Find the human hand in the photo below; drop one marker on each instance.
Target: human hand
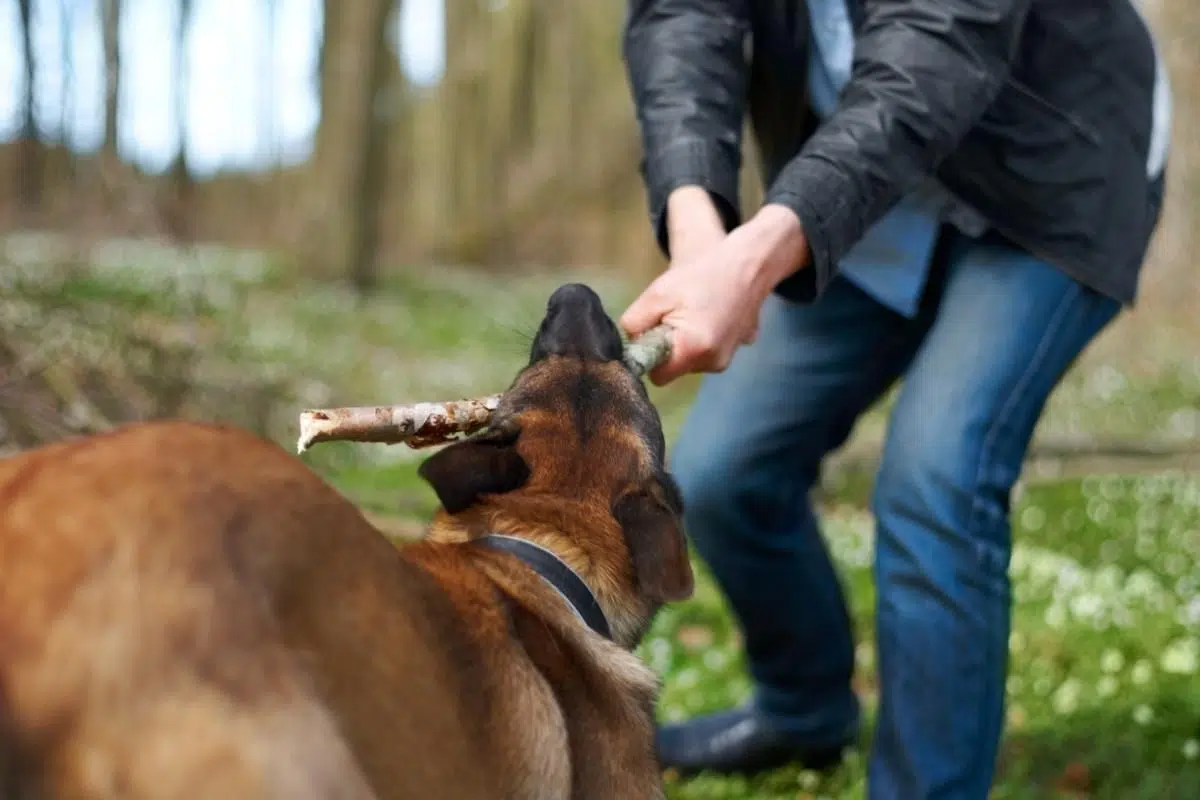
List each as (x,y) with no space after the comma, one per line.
(711,296)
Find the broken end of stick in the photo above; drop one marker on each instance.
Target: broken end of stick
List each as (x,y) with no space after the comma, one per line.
(310,428)
(649,350)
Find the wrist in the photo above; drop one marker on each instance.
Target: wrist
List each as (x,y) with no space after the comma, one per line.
(691,211)
(778,242)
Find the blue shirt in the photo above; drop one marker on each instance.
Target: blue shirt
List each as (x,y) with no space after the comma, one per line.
(891,261)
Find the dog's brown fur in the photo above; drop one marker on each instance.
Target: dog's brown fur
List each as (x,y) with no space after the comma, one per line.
(186,611)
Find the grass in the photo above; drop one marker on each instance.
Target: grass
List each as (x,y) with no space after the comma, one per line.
(1105,648)
(1102,695)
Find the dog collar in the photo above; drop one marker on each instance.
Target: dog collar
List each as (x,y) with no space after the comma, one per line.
(555,572)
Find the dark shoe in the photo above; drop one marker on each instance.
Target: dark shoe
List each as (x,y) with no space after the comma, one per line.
(738,741)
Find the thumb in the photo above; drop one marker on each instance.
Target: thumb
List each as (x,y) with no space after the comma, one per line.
(645,312)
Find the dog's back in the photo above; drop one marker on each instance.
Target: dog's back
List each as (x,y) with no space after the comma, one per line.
(11,764)
(181,607)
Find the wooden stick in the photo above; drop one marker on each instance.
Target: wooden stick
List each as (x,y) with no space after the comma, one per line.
(428,424)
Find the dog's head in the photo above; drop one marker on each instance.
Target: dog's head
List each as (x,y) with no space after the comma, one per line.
(574,457)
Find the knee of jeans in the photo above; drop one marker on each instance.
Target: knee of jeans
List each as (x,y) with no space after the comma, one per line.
(934,492)
(705,479)
(723,482)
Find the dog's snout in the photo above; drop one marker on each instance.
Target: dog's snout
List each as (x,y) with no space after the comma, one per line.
(576,297)
(576,324)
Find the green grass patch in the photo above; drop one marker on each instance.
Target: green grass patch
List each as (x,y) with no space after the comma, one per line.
(1105,649)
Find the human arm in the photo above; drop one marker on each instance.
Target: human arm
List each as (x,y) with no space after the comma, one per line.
(687,72)
(924,73)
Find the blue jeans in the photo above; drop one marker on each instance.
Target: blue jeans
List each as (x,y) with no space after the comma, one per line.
(996,331)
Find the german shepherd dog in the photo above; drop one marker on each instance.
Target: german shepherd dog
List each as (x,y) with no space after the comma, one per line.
(187,611)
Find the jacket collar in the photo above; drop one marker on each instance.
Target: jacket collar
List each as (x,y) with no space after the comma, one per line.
(555,572)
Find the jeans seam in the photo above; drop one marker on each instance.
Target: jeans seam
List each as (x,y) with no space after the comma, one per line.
(983,550)
(1001,418)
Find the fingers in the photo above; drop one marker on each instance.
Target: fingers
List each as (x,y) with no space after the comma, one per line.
(685,354)
(692,350)
(645,312)
(668,371)
(706,327)
(751,334)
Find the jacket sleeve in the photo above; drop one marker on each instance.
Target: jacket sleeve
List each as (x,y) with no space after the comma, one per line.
(686,66)
(924,72)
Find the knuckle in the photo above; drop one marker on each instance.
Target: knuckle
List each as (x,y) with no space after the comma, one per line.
(705,343)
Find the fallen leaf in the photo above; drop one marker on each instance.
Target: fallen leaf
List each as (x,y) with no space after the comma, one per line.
(1016,718)
(695,637)
(1074,779)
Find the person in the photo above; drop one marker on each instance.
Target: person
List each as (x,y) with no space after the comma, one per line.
(959,195)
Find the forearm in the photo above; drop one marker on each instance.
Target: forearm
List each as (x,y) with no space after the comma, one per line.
(692,214)
(923,75)
(687,74)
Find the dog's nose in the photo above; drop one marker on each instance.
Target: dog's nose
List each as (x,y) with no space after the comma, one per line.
(576,324)
(576,297)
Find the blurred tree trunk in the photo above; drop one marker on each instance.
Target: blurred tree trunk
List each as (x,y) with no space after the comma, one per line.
(269,140)
(180,172)
(30,158)
(66,85)
(529,45)
(348,174)
(384,96)
(180,185)
(473,68)
(111,27)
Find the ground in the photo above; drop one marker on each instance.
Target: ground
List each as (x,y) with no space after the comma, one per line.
(1105,649)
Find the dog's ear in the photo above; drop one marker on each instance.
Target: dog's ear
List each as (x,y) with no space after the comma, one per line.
(651,519)
(487,463)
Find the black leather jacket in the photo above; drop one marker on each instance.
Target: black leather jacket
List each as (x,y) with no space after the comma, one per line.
(1036,113)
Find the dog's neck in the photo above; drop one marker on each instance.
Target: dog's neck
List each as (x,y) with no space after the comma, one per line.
(627,617)
(557,573)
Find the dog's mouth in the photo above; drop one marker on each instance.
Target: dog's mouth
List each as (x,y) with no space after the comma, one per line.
(577,326)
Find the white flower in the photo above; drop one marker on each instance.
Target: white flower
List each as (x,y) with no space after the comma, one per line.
(1190,614)
(1142,672)
(1055,616)
(1191,749)
(1066,698)
(864,656)
(1107,686)
(1112,661)
(1143,714)
(1086,605)
(715,659)
(1181,657)
(1033,518)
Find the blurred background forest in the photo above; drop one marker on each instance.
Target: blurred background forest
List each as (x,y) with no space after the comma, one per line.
(353,144)
(340,143)
(415,131)
(237,209)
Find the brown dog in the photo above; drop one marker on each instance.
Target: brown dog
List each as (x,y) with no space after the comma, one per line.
(186,611)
